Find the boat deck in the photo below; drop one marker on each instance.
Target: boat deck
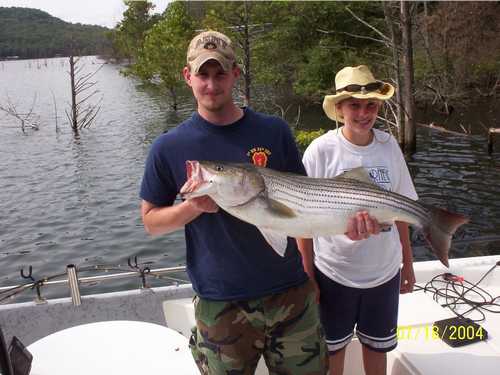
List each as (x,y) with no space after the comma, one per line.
(419,350)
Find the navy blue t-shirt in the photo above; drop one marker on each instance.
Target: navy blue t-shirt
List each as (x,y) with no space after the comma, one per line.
(227,259)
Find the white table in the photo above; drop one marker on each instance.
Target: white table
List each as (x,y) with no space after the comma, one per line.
(113,347)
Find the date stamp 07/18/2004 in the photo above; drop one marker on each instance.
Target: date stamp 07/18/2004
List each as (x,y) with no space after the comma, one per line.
(433,332)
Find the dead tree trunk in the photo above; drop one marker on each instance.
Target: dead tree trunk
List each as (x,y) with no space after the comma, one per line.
(426,26)
(396,62)
(410,139)
(74,112)
(82,113)
(246,48)
(173,94)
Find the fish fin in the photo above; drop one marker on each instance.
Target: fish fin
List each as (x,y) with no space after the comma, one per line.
(440,231)
(280,209)
(278,241)
(359,174)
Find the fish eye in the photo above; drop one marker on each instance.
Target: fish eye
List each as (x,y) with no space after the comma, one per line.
(219,168)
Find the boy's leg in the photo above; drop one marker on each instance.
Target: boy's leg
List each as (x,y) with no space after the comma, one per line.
(374,363)
(338,310)
(228,337)
(377,324)
(294,341)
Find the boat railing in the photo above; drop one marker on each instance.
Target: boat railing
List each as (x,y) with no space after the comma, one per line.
(72,279)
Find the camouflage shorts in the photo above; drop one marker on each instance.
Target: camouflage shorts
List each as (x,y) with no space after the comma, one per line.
(231,336)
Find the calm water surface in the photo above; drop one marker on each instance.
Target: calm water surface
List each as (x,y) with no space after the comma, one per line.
(75,200)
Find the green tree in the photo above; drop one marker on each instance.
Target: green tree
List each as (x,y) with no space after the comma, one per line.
(118,48)
(459,52)
(32,33)
(295,47)
(310,41)
(132,30)
(240,21)
(164,51)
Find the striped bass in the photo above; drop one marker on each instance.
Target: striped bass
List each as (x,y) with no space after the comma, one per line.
(285,204)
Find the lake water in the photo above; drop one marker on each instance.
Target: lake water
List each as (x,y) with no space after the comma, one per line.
(75,200)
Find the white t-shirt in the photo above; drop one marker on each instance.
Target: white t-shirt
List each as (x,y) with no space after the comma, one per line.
(371,262)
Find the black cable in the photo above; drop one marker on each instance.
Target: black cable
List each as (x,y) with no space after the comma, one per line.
(457,291)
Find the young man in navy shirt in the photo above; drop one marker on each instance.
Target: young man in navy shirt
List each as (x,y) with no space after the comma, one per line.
(250,301)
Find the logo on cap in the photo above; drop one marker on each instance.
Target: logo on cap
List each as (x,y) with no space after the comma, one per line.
(210,45)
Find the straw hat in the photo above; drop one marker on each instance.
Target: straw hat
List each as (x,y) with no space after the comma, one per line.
(355,82)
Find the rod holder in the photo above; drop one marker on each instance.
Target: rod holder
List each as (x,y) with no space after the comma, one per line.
(73,284)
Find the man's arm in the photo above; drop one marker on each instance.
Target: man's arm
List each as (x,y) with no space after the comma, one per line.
(161,220)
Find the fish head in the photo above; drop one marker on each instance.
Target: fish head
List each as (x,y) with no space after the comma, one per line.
(229,184)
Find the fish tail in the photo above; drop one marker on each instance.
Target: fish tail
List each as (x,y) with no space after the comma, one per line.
(440,230)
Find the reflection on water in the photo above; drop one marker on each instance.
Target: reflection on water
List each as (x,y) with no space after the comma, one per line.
(66,200)
(456,172)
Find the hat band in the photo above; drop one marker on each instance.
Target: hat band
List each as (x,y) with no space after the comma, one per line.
(373,86)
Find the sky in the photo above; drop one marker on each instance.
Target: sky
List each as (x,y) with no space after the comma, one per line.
(93,12)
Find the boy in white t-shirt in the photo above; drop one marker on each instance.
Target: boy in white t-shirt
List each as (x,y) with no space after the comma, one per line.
(359,277)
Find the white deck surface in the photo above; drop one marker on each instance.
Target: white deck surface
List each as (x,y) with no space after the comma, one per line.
(113,347)
(422,354)
(125,346)
(419,354)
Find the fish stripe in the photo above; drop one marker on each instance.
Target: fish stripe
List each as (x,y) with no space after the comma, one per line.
(300,183)
(340,194)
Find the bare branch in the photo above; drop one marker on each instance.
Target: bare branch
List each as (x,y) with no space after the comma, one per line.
(55,110)
(27,119)
(440,128)
(385,37)
(82,115)
(80,102)
(326,31)
(283,111)
(297,121)
(85,87)
(367,38)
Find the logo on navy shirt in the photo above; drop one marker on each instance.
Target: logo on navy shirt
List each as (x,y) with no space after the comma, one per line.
(259,156)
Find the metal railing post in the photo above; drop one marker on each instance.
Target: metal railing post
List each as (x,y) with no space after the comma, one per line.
(73,285)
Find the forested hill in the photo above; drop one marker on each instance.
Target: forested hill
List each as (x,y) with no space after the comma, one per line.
(32,33)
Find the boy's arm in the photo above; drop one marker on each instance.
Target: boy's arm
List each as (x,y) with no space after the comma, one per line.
(407,272)
(305,246)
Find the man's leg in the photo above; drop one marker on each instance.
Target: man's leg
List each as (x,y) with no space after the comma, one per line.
(228,338)
(337,362)
(294,340)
